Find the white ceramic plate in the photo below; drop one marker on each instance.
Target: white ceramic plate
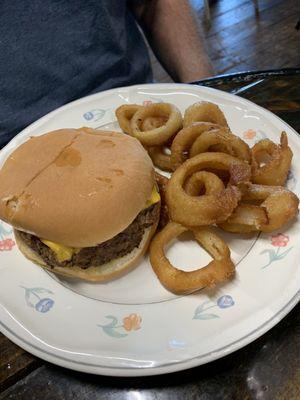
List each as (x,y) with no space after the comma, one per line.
(133,326)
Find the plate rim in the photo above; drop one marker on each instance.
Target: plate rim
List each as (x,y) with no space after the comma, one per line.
(154,370)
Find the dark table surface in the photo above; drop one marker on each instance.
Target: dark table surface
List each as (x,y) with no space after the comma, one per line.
(268,368)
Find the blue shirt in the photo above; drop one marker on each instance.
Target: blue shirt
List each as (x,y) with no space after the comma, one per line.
(56,51)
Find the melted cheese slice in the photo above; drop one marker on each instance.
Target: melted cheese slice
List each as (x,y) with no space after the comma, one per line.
(64,253)
(155,197)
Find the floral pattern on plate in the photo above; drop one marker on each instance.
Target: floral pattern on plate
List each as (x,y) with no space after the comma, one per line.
(249,134)
(131,323)
(6,242)
(95,114)
(280,240)
(34,299)
(225,301)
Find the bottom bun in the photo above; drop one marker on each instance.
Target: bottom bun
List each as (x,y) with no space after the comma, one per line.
(101,273)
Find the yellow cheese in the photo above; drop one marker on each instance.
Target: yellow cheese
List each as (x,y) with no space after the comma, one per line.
(64,253)
(155,197)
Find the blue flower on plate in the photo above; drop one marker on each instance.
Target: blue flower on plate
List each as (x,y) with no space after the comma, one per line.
(35,299)
(44,305)
(88,115)
(225,301)
(95,115)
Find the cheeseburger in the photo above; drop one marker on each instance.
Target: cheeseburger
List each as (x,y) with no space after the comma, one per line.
(83,203)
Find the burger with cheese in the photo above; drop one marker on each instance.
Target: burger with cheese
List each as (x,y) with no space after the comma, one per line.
(83,203)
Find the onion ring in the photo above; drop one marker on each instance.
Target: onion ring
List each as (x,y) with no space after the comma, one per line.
(124,115)
(160,135)
(278,207)
(204,111)
(206,209)
(153,123)
(184,140)
(182,282)
(223,141)
(270,162)
(159,158)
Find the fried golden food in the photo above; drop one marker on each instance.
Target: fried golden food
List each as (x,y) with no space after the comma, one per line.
(184,140)
(159,158)
(124,115)
(162,182)
(221,140)
(183,282)
(214,205)
(153,123)
(245,218)
(204,111)
(278,207)
(270,162)
(216,179)
(203,182)
(161,134)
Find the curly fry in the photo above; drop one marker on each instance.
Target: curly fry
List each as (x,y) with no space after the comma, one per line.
(270,162)
(184,140)
(124,115)
(204,111)
(278,207)
(208,208)
(162,134)
(159,158)
(223,141)
(182,282)
(153,123)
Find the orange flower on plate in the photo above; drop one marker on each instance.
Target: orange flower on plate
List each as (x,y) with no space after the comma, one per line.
(249,134)
(132,322)
(279,240)
(6,244)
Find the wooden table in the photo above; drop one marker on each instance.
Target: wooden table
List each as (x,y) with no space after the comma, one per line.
(268,368)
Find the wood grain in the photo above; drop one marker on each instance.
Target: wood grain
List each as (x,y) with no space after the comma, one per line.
(237,40)
(15,363)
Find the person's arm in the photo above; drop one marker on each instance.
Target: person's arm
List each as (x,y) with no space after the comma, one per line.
(174,37)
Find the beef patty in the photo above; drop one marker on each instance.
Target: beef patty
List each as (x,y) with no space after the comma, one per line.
(116,247)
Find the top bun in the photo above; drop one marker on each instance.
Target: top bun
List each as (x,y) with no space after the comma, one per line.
(77,187)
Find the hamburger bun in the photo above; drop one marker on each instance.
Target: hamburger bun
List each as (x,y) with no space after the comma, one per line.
(78,188)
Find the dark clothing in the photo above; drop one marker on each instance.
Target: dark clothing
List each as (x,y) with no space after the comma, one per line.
(53,52)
